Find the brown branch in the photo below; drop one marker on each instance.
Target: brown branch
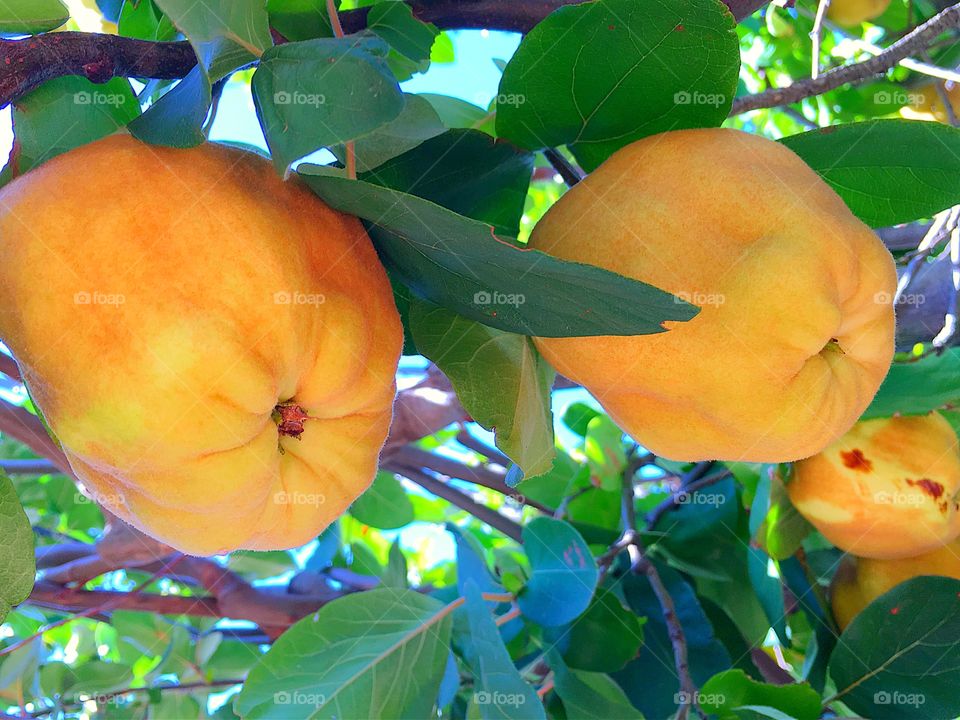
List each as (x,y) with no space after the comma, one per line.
(439,488)
(8,366)
(29,62)
(908,45)
(21,425)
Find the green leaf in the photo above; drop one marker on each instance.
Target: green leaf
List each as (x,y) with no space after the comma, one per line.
(394,22)
(459,263)
(95,111)
(384,505)
(499,691)
(563,573)
(317,93)
(603,446)
(243,22)
(17,565)
(605,638)
(176,119)
(457,113)
(418,121)
(600,75)
(467,172)
(28,17)
(769,592)
(499,377)
(379,653)
(900,658)
(589,695)
(916,388)
(723,694)
(775,524)
(880,183)
(578,417)
(97,676)
(300,19)
(144,21)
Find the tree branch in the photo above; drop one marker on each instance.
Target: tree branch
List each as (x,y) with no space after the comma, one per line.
(910,44)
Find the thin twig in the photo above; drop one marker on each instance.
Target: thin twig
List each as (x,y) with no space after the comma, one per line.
(815,37)
(570,173)
(906,46)
(947,335)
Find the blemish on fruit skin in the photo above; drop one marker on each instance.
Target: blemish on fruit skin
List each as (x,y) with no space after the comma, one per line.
(855,460)
(930,487)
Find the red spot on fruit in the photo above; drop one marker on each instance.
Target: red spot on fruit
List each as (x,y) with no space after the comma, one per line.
(930,487)
(894,610)
(855,460)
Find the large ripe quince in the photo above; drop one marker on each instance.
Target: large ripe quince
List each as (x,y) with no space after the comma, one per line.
(887,489)
(795,331)
(860,581)
(214,348)
(853,12)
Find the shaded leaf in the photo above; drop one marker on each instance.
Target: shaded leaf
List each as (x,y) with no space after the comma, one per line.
(17,565)
(26,17)
(563,573)
(384,504)
(589,695)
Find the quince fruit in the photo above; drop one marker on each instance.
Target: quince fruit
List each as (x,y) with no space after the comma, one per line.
(928,105)
(887,489)
(213,347)
(795,330)
(860,581)
(853,12)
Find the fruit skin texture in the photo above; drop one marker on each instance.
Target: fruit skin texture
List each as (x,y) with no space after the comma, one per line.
(887,489)
(854,12)
(860,581)
(742,227)
(149,295)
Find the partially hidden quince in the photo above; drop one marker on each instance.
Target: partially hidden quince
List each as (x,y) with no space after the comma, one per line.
(887,489)
(214,348)
(927,104)
(795,330)
(853,12)
(860,581)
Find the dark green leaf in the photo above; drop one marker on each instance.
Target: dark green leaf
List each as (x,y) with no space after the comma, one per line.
(900,657)
(394,22)
(467,172)
(177,118)
(317,93)
(883,185)
(603,74)
(499,377)
(564,573)
(459,263)
(300,19)
(605,638)
(589,695)
(243,22)
(379,653)
(916,388)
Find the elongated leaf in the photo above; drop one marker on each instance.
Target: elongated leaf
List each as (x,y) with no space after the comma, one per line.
(459,263)
(603,74)
(589,695)
(17,565)
(916,388)
(883,185)
(323,92)
(26,17)
(499,377)
(900,657)
(374,654)
(499,691)
(729,691)
(564,573)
